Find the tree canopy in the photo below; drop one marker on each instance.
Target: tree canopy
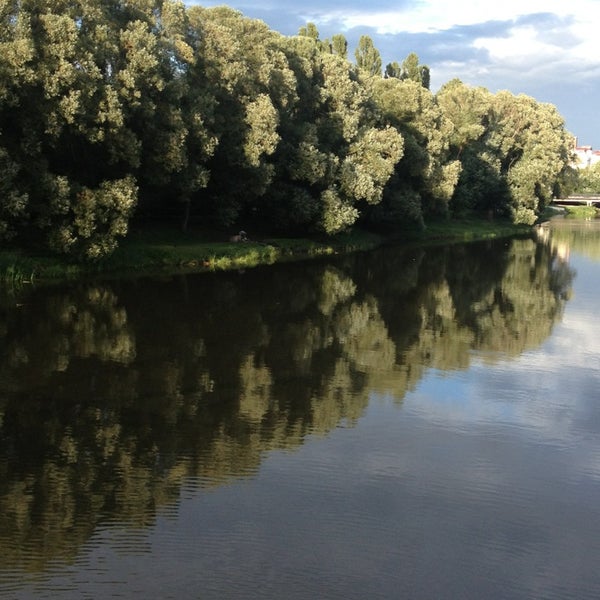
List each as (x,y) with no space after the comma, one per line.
(143,110)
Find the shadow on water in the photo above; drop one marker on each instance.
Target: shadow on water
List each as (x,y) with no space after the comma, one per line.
(115,394)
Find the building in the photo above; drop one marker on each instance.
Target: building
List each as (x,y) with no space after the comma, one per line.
(586,156)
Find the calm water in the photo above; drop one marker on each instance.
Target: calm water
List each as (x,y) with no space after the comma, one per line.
(407,423)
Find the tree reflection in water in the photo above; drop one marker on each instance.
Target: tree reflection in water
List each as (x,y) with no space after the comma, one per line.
(117,393)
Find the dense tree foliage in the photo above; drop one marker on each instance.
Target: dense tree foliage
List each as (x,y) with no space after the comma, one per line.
(148,109)
(588,180)
(367,56)
(514,151)
(409,69)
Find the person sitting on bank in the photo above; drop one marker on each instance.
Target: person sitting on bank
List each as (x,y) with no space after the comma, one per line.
(242,236)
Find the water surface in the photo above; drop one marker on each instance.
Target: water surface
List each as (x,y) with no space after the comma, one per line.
(405,423)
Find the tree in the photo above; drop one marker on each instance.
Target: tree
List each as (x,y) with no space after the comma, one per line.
(480,187)
(309,30)
(16,72)
(339,45)
(141,108)
(425,76)
(333,156)
(248,73)
(98,114)
(587,181)
(393,69)
(466,108)
(411,69)
(425,177)
(178,143)
(68,131)
(514,151)
(531,142)
(362,156)
(367,56)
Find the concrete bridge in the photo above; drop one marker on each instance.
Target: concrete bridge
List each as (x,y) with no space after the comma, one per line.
(579,199)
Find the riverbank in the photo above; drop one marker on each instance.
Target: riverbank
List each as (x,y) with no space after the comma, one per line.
(582,212)
(170,251)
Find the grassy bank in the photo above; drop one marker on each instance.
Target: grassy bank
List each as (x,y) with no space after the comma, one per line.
(466,230)
(582,212)
(171,251)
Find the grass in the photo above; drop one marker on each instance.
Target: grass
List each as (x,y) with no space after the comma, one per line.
(184,252)
(164,250)
(582,212)
(15,270)
(467,230)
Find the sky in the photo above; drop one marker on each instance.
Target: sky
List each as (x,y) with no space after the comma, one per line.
(547,49)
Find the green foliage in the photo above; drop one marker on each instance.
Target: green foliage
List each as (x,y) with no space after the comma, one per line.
(339,45)
(409,69)
(262,121)
(514,151)
(480,188)
(393,69)
(99,107)
(367,56)
(13,203)
(309,30)
(467,109)
(530,139)
(414,71)
(426,175)
(582,212)
(370,163)
(88,222)
(587,180)
(254,89)
(149,109)
(336,213)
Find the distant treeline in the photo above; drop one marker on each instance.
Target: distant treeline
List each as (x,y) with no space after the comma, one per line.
(113,110)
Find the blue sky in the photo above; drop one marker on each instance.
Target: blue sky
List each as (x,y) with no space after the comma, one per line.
(548,49)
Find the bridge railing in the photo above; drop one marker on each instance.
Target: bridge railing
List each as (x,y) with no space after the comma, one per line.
(587,199)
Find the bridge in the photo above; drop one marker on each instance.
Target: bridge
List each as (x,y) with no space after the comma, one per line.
(578,199)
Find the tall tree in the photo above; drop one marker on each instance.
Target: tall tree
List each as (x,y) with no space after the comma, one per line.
(339,45)
(309,30)
(481,187)
(533,146)
(467,109)
(248,73)
(181,139)
(69,128)
(16,74)
(393,69)
(367,56)
(424,179)
(413,70)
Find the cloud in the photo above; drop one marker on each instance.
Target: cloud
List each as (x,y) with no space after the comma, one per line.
(543,48)
(439,15)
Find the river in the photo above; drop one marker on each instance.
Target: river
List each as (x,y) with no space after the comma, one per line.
(412,422)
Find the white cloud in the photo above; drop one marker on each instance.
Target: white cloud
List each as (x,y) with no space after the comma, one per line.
(439,15)
(523,41)
(530,44)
